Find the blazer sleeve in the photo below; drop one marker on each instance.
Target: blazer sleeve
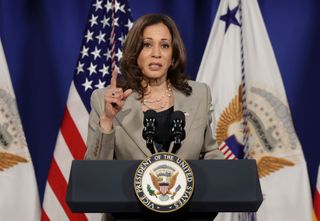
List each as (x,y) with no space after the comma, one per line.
(100,146)
(210,147)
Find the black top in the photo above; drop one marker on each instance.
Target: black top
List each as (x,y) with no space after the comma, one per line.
(163,127)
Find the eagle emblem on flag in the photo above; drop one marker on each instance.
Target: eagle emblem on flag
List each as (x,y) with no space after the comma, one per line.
(8,160)
(12,141)
(269,132)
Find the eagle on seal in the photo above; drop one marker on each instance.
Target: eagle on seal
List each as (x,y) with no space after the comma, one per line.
(164,183)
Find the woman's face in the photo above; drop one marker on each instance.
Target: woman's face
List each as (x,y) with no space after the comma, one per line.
(155,57)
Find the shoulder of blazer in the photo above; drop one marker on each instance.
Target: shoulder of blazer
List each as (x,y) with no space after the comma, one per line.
(199,90)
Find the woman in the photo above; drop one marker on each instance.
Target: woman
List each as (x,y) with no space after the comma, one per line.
(152,67)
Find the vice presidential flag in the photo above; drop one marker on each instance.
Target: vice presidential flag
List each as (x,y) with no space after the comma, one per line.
(107,27)
(19,198)
(251,105)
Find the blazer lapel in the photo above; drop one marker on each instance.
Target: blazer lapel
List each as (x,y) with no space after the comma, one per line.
(130,118)
(188,106)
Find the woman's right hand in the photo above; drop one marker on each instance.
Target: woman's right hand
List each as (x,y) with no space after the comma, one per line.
(114,99)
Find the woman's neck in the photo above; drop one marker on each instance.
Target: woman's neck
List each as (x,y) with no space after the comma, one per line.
(157,86)
(158,96)
(155,89)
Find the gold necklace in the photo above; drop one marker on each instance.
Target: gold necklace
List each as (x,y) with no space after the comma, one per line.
(161,102)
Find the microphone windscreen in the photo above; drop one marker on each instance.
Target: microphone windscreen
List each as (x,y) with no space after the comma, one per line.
(178,115)
(150,114)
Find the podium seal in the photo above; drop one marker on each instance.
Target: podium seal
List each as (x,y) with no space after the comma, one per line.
(164,183)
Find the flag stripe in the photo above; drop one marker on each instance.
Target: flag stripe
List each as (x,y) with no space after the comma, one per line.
(317,204)
(53,208)
(223,148)
(72,136)
(44,216)
(63,157)
(227,152)
(60,186)
(78,111)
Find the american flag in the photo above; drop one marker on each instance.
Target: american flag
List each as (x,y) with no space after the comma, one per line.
(232,149)
(108,24)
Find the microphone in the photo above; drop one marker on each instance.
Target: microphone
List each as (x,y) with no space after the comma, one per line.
(177,132)
(149,131)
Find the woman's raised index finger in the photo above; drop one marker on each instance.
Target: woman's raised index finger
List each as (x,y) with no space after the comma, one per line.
(113,81)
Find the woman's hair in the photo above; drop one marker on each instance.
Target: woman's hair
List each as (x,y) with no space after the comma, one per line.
(132,75)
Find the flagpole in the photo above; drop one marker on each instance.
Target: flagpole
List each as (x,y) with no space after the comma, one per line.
(243,89)
(244,216)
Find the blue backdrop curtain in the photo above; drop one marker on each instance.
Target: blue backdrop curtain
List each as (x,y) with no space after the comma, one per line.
(42,40)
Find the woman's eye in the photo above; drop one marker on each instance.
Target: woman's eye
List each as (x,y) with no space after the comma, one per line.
(146,45)
(165,46)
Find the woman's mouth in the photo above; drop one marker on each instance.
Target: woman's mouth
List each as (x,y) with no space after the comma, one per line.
(155,66)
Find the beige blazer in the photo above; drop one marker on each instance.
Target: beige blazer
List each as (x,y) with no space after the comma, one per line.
(125,142)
